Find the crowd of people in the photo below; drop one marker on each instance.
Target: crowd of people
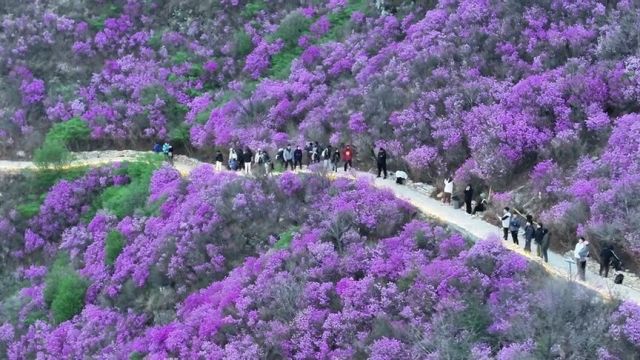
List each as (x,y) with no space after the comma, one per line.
(289,158)
(513,223)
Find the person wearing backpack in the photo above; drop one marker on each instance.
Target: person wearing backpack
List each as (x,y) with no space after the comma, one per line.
(529,233)
(167,150)
(581,252)
(382,162)
(506,222)
(219,160)
(514,227)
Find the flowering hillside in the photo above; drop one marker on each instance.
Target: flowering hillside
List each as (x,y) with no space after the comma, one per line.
(500,93)
(219,266)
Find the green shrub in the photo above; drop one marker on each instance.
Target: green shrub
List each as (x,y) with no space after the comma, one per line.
(52,154)
(179,134)
(180,57)
(124,200)
(243,44)
(281,63)
(285,238)
(252,8)
(155,42)
(29,209)
(69,132)
(291,28)
(113,246)
(64,290)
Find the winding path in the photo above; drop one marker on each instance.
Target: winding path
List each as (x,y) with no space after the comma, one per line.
(474,228)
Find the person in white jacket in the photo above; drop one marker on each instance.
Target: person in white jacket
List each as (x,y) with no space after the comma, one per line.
(506,221)
(581,252)
(448,190)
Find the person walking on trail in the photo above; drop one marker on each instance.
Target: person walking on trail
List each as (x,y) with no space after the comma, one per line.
(219,160)
(581,252)
(233,159)
(448,190)
(266,161)
(297,158)
(315,153)
(347,156)
(280,156)
(287,157)
(607,258)
(167,150)
(506,222)
(309,149)
(468,197)
(514,228)
(335,160)
(248,160)
(326,157)
(240,159)
(382,162)
(529,233)
(543,240)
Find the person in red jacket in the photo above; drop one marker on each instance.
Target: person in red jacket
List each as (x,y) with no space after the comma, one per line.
(347,155)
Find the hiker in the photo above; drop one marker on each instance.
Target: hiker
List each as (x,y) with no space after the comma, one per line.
(265,160)
(309,150)
(248,159)
(219,160)
(468,197)
(382,162)
(529,232)
(157,147)
(315,153)
(514,227)
(608,258)
(287,157)
(326,157)
(280,156)
(506,222)
(581,252)
(233,159)
(448,189)
(401,177)
(240,158)
(297,158)
(479,207)
(347,156)
(335,160)
(167,150)
(543,240)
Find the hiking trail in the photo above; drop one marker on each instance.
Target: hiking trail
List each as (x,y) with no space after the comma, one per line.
(473,227)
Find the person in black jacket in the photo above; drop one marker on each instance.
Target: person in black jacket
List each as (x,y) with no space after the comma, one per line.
(543,239)
(335,160)
(607,257)
(468,197)
(529,233)
(219,161)
(297,158)
(382,162)
(248,159)
(240,159)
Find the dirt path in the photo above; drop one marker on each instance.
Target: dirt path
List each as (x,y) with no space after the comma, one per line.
(475,228)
